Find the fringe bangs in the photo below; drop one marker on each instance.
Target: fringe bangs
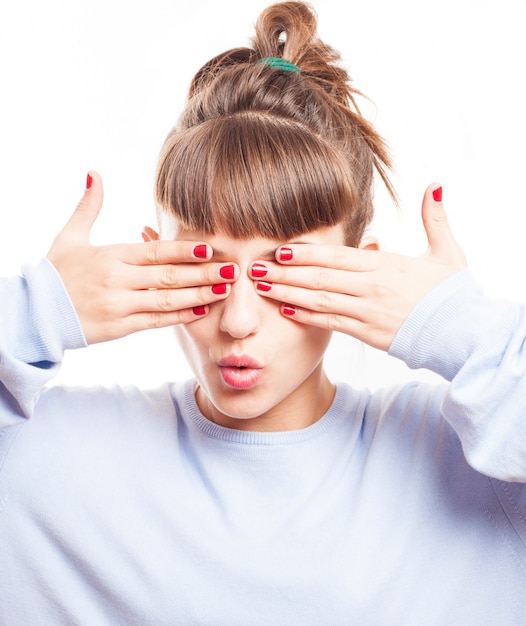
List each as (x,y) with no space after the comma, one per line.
(254,175)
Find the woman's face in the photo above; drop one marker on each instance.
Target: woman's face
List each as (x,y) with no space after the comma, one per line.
(256,369)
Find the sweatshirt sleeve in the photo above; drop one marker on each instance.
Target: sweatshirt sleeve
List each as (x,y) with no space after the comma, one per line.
(478,344)
(37,324)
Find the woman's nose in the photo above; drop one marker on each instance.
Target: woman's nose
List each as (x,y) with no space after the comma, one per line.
(240,316)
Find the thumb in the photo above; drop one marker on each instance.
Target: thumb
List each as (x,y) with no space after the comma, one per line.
(79,225)
(441,241)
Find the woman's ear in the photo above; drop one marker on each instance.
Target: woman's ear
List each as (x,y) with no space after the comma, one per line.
(369,243)
(149,234)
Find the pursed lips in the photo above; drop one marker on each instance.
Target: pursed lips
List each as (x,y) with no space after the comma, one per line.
(240,371)
(239,360)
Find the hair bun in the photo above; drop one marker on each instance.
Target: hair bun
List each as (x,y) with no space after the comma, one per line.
(285,29)
(289,30)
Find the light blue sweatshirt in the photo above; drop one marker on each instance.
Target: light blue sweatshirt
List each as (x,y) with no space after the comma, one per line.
(405,507)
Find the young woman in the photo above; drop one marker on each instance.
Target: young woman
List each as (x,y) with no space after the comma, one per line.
(261,492)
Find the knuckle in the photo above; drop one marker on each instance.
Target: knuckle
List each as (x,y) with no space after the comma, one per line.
(105,279)
(104,268)
(108,311)
(339,257)
(204,295)
(440,217)
(155,320)
(437,218)
(323,301)
(165,300)
(209,273)
(378,288)
(170,275)
(320,279)
(153,252)
(335,322)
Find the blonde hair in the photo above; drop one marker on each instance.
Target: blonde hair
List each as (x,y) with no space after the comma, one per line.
(262,151)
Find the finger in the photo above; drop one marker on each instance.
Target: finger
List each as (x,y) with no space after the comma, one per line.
(327,302)
(441,241)
(336,257)
(79,225)
(164,252)
(170,300)
(310,277)
(338,323)
(328,321)
(149,234)
(177,275)
(147,321)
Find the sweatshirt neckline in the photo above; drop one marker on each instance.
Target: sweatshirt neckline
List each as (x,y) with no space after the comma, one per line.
(216,431)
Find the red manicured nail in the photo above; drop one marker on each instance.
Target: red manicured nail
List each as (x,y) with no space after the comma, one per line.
(288,309)
(259,270)
(437,194)
(219,289)
(263,285)
(227,271)
(200,251)
(285,254)
(199,310)
(89,181)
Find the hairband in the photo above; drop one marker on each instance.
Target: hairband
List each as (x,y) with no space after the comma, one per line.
(280,64)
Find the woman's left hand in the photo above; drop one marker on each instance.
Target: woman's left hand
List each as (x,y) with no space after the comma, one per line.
(367,294)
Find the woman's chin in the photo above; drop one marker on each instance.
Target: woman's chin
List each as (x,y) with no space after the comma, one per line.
(228,405)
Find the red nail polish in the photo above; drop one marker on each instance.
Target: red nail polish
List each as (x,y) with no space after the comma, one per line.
(199,310)
(437,194)
(285,254)
(219,289)
(288,309)
(89,181)
(263,285)
(227,271)
(259,270)
(200,251)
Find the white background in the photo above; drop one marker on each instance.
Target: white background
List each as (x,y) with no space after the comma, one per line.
(97,85)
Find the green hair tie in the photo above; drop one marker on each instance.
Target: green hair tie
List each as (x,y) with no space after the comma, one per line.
(280,64)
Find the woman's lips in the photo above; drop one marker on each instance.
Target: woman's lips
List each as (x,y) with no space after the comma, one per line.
(240,372)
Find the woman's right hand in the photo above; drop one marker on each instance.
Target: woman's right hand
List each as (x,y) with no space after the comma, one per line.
(121,289)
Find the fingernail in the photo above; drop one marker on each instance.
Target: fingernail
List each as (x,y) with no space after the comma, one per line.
(89,181)
(263,286)
(227,271)
(219,289)
(200,251)
(259,270)
(437,194)
(199,310)
(288,309)
(285,254)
